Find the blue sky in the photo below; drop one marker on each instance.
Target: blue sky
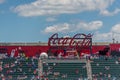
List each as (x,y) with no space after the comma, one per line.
(37,20)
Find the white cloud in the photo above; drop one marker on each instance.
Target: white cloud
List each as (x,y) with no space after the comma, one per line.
(105,37)
(66,27)
(107,13)
(51,19)
(94,25)
(2,1)
(55,7)
(57,28)
(108,36)
(116,28)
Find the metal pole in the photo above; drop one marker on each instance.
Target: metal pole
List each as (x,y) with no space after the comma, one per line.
(89,70)
(40,69)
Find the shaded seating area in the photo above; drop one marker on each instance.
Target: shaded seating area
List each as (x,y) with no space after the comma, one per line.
(19,69)
(65,71)
(106,68)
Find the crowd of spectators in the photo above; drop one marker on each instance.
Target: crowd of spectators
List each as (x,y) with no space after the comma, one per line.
(106,68)
(26,68)
(19,67)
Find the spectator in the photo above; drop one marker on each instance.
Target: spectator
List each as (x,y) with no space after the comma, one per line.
(12,53)
(116,62)
(107,67)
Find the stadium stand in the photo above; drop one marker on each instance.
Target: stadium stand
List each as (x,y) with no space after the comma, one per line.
(19,68)
(67,70)
(23,68)
(106,68)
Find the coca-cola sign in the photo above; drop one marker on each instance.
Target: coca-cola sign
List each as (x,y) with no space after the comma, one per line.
(76,40)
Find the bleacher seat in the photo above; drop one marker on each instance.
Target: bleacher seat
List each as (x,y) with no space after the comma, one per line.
(22,68)
(106,68)
(71,70)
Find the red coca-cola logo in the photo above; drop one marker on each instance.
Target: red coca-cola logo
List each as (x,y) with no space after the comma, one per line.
(76,40)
